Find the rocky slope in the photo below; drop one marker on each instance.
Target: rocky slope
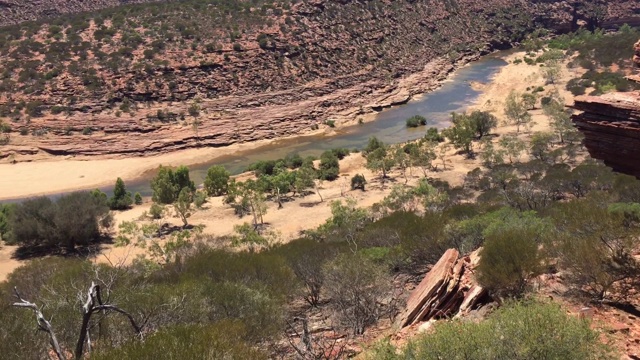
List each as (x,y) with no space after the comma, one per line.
(157,77)
(17,11)
(611,126)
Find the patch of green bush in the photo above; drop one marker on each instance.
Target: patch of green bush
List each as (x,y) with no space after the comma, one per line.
(522,330)
(415,121)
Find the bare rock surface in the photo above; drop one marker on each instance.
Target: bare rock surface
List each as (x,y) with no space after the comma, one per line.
(447,290)
(611,126)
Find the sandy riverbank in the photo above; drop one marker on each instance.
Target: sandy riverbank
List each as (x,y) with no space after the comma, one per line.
(45,174)
(309,212)
(301,214)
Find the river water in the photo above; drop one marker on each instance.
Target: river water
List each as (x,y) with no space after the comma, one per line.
(455,94)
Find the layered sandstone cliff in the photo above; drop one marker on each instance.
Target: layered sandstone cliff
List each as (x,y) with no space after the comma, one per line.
(288,70)
(611,126)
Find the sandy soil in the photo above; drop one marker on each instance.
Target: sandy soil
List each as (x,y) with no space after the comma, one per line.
(68,174)
(302,213)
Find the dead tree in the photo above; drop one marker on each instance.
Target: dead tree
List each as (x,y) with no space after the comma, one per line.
(310,348)
(93,304)
(43,324)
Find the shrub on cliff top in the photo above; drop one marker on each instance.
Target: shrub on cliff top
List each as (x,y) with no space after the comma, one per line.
(524,330)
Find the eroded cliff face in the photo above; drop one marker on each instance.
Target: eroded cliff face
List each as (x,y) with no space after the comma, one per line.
(611,126)
(282,75)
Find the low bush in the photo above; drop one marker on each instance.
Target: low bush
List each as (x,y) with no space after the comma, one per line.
(522,330)
(415,121)
(358,182)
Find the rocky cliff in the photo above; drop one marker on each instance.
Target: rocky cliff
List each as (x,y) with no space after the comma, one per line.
(157,77)
(611,126)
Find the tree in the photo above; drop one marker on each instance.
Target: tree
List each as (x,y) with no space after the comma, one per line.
(73,219)
(183,205)
(490,155)
(484,122)
(356,286)
(422,155)
(443,152)
(250,195)
(137,198)
(512,146)
(373,144)
(540,146)
(461,133)
(358,182)
(560,118)
(380,160)
(217,181)
(329,166)
(94,304)
(167,184)
(6,211)
(304,179)
(121,199)
(516,112)
(529,101)
(401,159)
(551,71)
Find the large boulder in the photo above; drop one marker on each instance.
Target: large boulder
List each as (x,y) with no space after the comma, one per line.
(449,289)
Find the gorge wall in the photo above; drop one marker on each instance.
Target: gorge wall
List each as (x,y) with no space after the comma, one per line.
(611,126)
(141,79)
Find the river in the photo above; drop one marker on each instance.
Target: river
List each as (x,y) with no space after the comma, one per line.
(455,94)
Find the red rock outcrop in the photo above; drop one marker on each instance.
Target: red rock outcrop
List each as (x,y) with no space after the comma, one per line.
(286,71)
(611,126)
(449,289)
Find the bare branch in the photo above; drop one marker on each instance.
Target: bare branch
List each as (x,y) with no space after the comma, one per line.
(43,324)
(94,304)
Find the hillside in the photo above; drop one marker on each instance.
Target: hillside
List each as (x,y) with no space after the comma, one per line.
(151,78)
(17,11)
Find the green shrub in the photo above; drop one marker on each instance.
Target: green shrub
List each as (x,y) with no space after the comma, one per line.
(433,135)
(216,341)
(199,199)
(330,123)
(263,167)
(156,211)
(356,286)
(415,121)
(5,225)
(518,331)
(137,199)
(358,182)
(5,128)
(508,260)
(340,153)
(121,199)
(217,181)
(74,219)
(167,184)
(329,166)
